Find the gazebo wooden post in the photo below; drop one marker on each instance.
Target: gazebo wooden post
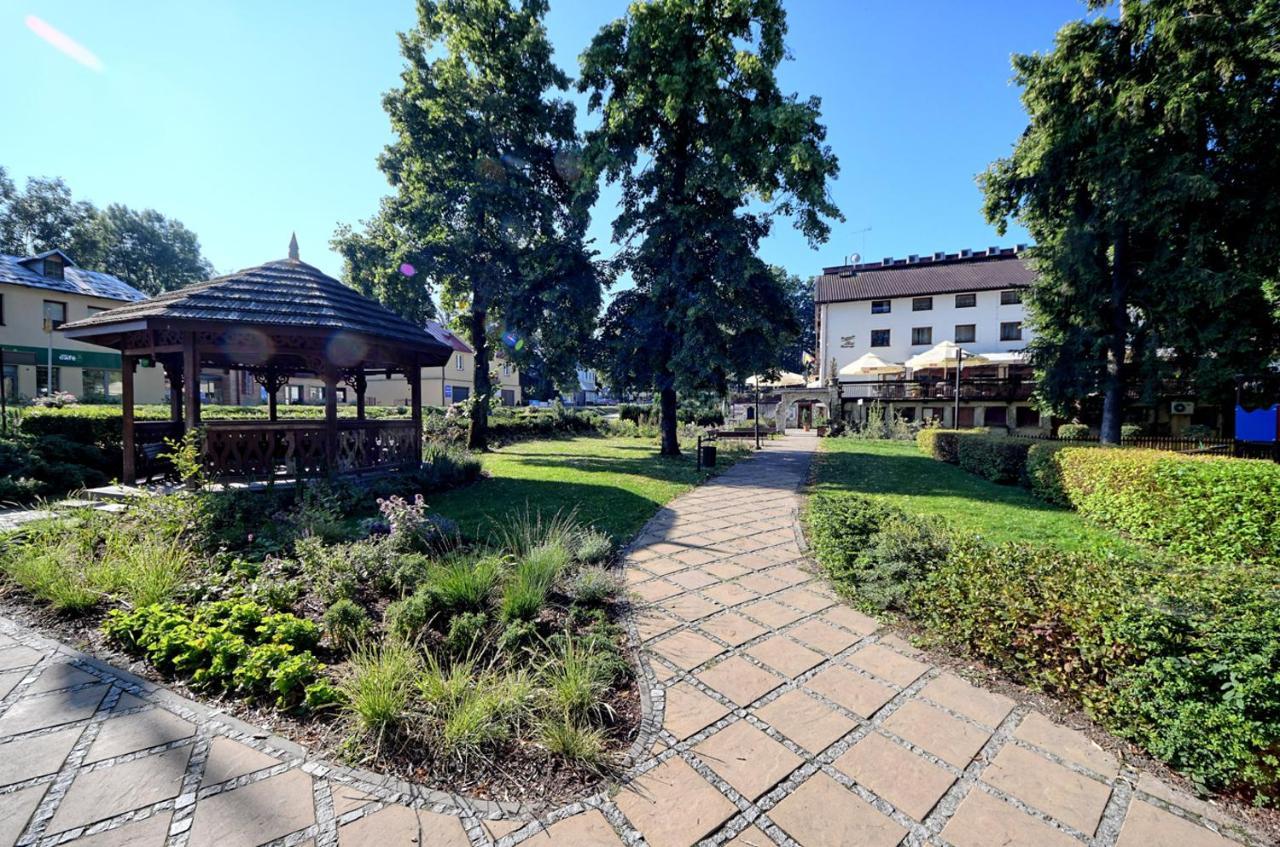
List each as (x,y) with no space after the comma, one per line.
(273,392)
(361,385)
(190,381)
(127,363)
(330,378)
(173,372)
(414,374)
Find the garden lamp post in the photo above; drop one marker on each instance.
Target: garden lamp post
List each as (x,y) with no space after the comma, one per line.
(955,415)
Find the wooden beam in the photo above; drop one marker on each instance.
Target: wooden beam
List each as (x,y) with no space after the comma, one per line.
(190,382)
(414,375)
(129,474)
(331,421)
(361,386)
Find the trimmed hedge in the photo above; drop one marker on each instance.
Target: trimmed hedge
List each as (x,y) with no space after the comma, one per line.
(941,444)
(1001,459)
(1208,508)
(1181,658)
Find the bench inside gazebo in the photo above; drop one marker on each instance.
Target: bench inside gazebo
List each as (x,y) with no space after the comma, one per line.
(277,321)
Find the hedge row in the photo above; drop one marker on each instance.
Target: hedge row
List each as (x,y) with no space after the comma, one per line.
(999,458)
(1182,659)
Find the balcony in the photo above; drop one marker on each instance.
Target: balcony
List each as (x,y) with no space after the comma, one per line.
(977,389)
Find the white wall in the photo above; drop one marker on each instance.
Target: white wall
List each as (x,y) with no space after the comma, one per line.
(842,320)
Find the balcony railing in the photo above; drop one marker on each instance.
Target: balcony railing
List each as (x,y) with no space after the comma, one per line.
(925,390)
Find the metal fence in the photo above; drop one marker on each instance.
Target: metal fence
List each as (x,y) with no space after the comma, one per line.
(1176,444)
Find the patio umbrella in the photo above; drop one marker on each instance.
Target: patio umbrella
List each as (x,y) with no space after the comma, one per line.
(942,355)
(869,364)
(785,379)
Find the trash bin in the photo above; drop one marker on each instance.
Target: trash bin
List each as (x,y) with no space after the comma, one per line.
(708,457)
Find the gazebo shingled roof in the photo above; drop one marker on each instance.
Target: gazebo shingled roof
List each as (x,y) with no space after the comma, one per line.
(277,320)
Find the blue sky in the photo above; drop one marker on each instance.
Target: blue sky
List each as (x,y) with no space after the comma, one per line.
(248,120)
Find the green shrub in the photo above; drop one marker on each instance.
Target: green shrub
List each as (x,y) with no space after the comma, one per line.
(1130,431)
(345,622)
(465,631)
(1073,431)
(1210,509)
(595,586)
(840,526)
(592,547)
(1001,459)
(407,618)
(1043,475)
(378,685)
(941,444)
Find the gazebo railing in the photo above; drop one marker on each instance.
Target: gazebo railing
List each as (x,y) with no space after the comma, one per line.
(301,448)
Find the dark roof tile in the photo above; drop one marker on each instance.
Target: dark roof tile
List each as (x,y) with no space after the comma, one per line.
(921,278)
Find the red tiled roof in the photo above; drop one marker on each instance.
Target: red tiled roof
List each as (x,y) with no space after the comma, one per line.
(907,278)
(438,331)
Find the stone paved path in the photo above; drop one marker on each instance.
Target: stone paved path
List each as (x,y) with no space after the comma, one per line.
(774,716)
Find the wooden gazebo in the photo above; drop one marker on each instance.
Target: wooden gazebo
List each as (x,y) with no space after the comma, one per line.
(279,320)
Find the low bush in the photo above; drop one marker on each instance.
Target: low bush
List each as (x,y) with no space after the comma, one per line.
(595,586)
(1073,431)
(1043,475)
(840,526)
(345,623)
(231,646)
(378,686)
(1209,509)
(941,444)
(564,737)
(1001,459)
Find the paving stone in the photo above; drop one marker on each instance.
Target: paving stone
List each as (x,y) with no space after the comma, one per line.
(255,813)
(806,721)
(396,825)
(689,607)
(803,598)
(888,664)
(950,739)
(51,710)
(949,690)
(19,656)
(10,679)
(673,805)
(739,680)
(60,675)
(686,649)
(857,693)
(823,813)
(750,837)
(912,784)
(753,561)
(346,798)
(823,636)
(654,590)
(732,628)
(771,613)
(1145,825)
(137,731)
(903,646)
(783,654)
(1174,797)
(850,619)
(15,812)
(28,758)
(650,623)
(586,829)
(497,829)
(747,759)
(106,792)
(790,575)
(761,583)
(692,579)
(229,759)
(1067,743)
(1070,797)
(724,570)
(983,820)
(729,593)
(661,566)
(150,832)
(688,711)
(695,556)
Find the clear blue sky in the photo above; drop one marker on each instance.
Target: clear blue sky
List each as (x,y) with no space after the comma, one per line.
(247,120)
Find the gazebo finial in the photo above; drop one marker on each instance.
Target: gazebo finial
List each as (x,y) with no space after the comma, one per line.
(293,247)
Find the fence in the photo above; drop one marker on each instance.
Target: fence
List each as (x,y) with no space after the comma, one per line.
(1176,444)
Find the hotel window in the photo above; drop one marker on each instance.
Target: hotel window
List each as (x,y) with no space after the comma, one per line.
(457,362)
(293,394)
(1012,297)
(966,333)
(1011,331)
(881,307)
(966,301)
(922,304)
(56,312)
(42,379)
(53,268)
(879,338)
(922,335)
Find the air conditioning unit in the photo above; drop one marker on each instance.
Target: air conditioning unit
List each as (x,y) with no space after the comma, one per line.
(1182,407)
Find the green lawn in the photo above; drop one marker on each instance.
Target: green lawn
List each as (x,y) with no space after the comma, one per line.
(898,472)
(615,484)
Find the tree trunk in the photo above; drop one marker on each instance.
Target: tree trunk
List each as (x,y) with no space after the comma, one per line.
(1113,397)
(478,436)
(667,421)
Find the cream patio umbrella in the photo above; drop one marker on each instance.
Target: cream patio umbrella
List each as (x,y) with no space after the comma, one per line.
(869,364)
(941,355)
(786,379)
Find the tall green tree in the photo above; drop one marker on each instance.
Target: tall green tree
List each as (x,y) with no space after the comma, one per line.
(800,300)
(491,205)
(144,248)
(1147,176)
(707,151)
(376,261)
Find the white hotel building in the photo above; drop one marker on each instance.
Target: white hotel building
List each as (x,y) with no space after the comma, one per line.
(900,308)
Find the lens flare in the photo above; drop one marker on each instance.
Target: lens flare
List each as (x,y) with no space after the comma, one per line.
(346,350)
(408,269)
(63,43)
(248,346)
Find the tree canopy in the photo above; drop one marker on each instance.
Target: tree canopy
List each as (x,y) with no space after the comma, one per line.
(1147,176)
(144,248)
(707,151)
(491,205)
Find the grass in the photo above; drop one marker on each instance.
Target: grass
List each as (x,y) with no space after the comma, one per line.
(898,472)
(614,484)
(379,685)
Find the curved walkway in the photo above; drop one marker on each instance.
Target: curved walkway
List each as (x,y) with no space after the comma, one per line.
(773,715)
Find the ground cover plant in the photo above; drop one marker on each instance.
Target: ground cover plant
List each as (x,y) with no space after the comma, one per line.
(1177,653)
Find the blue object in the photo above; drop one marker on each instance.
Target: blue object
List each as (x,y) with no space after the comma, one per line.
(1258,425)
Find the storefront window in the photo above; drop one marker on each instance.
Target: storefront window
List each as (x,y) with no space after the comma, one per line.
(101,384)
(10,377)
(42,379)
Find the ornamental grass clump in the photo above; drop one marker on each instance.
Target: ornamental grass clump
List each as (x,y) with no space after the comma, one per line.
(378,686)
